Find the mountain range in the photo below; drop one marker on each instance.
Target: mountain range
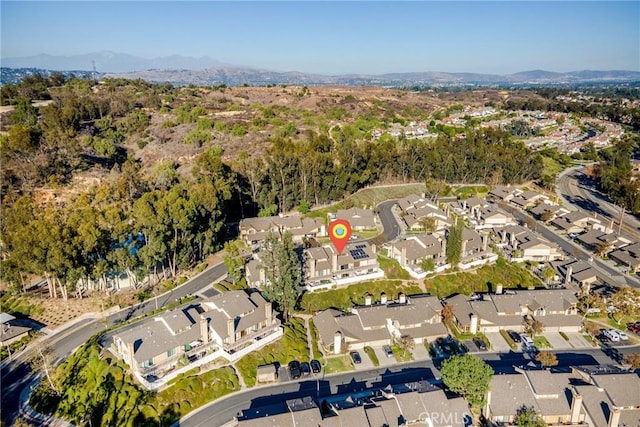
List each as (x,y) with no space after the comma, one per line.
(181,70)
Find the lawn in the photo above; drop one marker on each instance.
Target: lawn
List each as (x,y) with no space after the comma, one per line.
(510,275)
(347,297)
(339,363)
(400,354)
(292,346)
(541,342)
(372,355)
(392,269)
(466,191)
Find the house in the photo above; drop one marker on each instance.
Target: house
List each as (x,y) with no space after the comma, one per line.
(12,329)
(359,219)
(586,396)
(491,217)
(417,209)
(601,242)
(548,212)
(577,222)
(324,265)
(229,324)
(413,250)
(556,309)
(255,230)
(629,256)
(297,412)
(577,271)
(468,207)
(527,199)
(254,273)
(522,245)
(377,324)
(503,193)
(474,249)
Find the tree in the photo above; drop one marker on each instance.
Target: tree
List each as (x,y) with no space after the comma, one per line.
(547,358)
(468,376)
(428,264)
(548,272)
(603,247)
(528,417)
(633,359)
(626,302)
(406,343)
(43,362)
(233,261)
(454,244)
(428,224)
(533,326)
(282,272)
(447,314)
(589,303)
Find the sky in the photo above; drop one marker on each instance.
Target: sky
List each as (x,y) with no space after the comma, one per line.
(335,37)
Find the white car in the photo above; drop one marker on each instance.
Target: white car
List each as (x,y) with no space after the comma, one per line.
(612,334)
(623,336)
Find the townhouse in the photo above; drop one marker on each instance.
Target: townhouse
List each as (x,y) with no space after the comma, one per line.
(418,317)
(255,230)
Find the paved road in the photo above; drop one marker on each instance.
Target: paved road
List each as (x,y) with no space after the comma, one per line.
(607,271)
(579,190)
(16,374)
(223,410)
(387,218)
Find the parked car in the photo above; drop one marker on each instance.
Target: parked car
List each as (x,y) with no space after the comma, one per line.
(623,336)
(315,366)
(387,351)
(514,336)
(355,356)
(612,334)
(526,340)
(480,344)
(305,369)
(294,369)
(634,327)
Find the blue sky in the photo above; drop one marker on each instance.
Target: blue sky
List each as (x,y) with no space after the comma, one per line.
(338,37)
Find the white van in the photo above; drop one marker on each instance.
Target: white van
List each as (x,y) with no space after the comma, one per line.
(526,340)
(612,334)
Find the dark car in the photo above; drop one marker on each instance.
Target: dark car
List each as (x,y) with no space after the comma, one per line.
(514,336)
(315,366)
(305,369)
(480,344)
(355,356)
(387,351)
(294,369)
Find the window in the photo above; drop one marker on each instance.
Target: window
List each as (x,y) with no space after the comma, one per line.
(171,352)
(146,363)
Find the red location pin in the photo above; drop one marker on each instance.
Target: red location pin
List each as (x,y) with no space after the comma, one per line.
(339,232)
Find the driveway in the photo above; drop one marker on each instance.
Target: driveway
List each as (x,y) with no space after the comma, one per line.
(420,352)
(382,357)
(578,341)
(497,342)
(556,340)
(366,362)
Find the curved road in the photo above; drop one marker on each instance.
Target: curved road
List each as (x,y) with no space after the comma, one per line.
(221,411)
(17,374)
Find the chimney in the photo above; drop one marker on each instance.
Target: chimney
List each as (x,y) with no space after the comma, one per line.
(129,357)
(334,261)
(403,256)
(443,243)
(576,406)
(499,289)
(614,417)
(512,238)
(567,278)
(383,298)
(402,298)
(204,329)
(231,330)
(463,249)
(368,299)
(473,327)
(268,313)
(485,242)
(337,343)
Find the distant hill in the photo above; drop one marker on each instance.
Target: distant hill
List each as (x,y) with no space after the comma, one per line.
(107,61)
(181,70)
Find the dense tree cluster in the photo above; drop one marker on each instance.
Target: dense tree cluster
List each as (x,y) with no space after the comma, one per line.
(615,173)
(152,222)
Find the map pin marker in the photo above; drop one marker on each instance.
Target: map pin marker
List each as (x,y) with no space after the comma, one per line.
(339,232)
